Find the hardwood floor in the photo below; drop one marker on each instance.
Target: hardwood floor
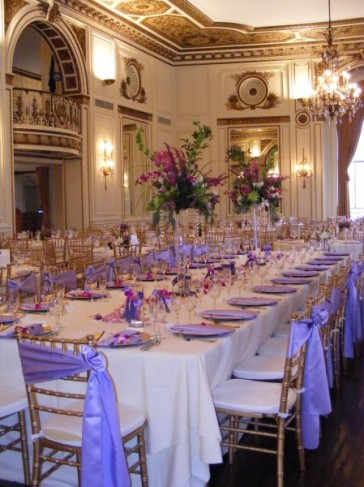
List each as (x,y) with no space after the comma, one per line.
(338,462)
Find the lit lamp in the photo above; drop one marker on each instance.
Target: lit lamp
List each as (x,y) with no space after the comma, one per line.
(108,81)
(303,169)
(107,169)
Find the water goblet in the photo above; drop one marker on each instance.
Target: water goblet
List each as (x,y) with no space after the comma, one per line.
(133,272)
(55,309)
(176,302)
(191,303)
(154,310)
(13,300)
(215,291)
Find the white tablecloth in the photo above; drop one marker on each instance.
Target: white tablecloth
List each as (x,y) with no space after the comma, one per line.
(354,247)
(171,383)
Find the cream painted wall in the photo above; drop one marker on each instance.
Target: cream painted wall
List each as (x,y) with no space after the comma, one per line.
(175,96)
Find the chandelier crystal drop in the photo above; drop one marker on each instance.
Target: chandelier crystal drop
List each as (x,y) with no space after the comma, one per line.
(334,96)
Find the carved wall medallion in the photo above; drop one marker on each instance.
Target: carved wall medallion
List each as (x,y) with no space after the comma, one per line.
(302,118)
(252,91)
(131,87)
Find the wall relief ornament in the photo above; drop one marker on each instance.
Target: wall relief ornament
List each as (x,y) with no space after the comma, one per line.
(252,91)
(131,87)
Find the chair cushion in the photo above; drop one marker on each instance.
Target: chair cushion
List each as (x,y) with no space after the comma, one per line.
(68,429)
(249,396)
(260,367)
(273,346)
(12,400)
(283,330)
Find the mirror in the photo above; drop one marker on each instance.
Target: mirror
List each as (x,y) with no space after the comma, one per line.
(134,164)
(260,143)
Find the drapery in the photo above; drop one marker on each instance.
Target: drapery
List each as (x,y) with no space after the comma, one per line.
(348,134)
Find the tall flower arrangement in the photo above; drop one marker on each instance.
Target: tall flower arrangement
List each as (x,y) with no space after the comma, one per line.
(177,182)
(253,187)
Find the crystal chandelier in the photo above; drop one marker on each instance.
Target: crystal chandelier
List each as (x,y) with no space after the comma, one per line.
(334,96)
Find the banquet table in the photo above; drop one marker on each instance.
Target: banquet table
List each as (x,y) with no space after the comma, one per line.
(353,247)
(171,383)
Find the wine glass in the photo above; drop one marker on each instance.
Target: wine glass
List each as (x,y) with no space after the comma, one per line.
(133,272)
(191,302)
(55,309)
(215,291)
(103,286)
(13,300)
(154,309)
(176,302)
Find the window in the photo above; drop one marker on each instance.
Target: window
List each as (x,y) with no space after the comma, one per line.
(356,184)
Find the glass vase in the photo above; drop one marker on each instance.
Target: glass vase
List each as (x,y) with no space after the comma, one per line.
(255,226)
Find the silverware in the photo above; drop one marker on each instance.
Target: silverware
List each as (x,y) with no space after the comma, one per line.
(153,343)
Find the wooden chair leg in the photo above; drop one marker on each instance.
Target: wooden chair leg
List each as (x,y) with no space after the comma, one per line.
(24,447)
(280,452)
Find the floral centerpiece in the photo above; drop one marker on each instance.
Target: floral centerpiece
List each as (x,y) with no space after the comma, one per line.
(177,182)
(254,187)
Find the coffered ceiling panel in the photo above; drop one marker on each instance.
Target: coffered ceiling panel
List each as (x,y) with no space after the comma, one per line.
(218,30)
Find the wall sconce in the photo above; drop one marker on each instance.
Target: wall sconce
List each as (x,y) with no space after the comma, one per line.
(303,169)
(107,168)
(108,82)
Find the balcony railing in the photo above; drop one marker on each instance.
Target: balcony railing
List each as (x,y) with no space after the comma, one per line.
(43,109)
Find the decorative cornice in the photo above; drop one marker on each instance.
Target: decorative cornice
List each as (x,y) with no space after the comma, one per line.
(131,112)
(253,120)
(9,79)
(11,8)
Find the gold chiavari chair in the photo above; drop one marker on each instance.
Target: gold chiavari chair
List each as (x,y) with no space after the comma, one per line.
(263,410)
(127,250)
(57,424)
(13,402)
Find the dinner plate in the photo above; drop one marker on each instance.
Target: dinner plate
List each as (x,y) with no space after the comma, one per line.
(340,254)
(203,329)
(291,280)
(35,307)
(34,329)
(333,258)
(79,294)
(116,285)
(153,277)
(321,262)
(229,314)
(311,267)
(253,301)
(274,289)
(10,317)
(125,338)
(297,273)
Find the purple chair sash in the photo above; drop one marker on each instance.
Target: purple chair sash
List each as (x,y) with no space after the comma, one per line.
(316,397)
(352,331)
(336,300)
(28,284)
(110,272)
(93,273)
(201,249)
(68,278)
(103,457)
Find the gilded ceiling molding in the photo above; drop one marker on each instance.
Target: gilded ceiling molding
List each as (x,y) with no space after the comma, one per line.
(176,32)
(131,87)
(252,92)
(12,7)
(253,120)
(51,11)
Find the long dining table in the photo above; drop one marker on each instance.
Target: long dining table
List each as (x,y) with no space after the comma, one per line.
(171,382)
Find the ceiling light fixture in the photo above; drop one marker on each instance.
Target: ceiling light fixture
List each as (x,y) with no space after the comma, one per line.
(334,96)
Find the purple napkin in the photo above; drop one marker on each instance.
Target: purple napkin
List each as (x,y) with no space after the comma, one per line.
(122,338)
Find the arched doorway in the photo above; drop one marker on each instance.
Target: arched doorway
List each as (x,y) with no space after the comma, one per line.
(49,79)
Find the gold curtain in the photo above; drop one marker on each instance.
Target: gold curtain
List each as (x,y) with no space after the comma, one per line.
(348,134)
(43,182)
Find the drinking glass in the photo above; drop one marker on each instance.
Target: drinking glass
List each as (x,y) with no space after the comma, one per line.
(154,309)
(13,300)
(191,302)
(55,309)
(176,301)
(215,291)
(133,272)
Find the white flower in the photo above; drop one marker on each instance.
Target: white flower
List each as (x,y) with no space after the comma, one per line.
(258,185)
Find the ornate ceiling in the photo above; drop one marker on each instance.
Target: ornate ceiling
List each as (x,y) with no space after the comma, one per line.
(180,33)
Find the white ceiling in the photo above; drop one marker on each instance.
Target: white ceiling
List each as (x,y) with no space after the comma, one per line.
(263,13)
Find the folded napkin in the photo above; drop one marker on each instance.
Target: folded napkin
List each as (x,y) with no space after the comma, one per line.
(116,316)
(122,338)
(34,329)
